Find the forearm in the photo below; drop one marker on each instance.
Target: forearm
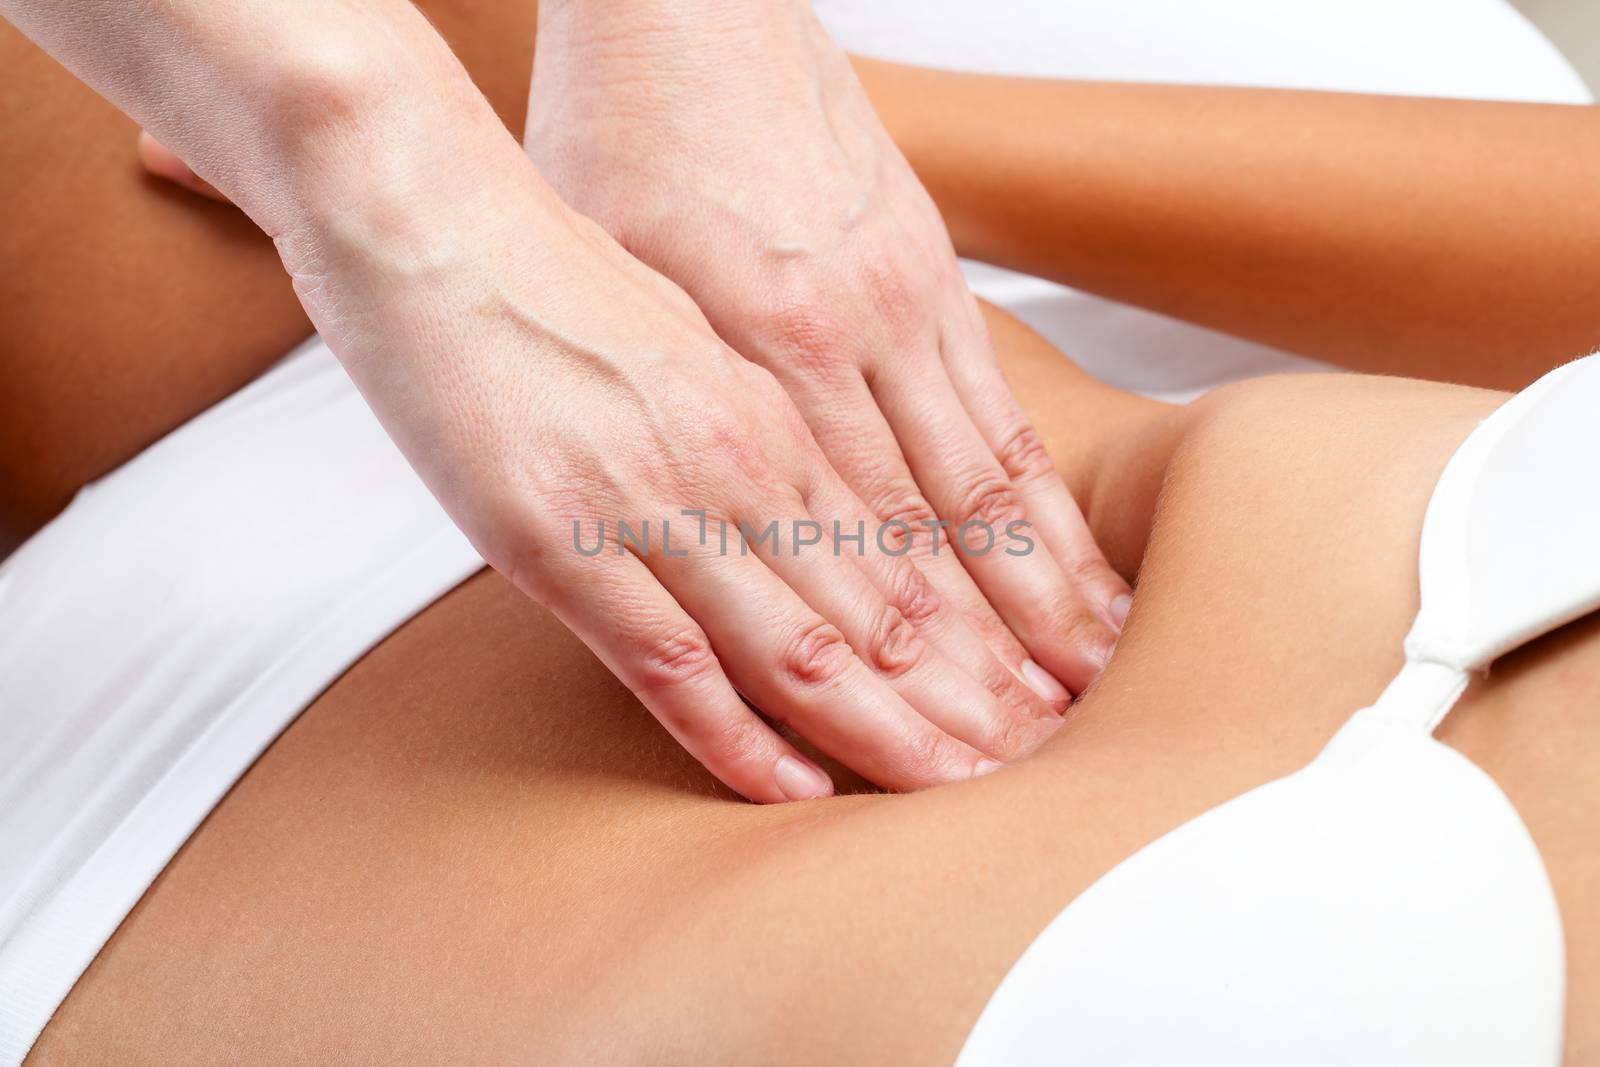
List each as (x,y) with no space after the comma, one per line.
(285,107)
(1444,239)
(698,53)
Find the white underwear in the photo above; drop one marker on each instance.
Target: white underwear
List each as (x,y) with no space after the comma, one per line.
(176,618)
(166,627)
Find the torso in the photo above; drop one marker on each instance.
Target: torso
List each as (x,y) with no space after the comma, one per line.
(476,844)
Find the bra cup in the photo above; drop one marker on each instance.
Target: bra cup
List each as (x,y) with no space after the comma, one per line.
(1510,546)
(1385,905)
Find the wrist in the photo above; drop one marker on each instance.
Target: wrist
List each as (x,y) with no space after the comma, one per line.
(635,21)
(346,121)
(678,40)
(399,194)
(411,209)
(620,66)
(929,116)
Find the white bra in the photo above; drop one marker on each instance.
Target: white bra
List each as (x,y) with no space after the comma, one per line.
(1385,905)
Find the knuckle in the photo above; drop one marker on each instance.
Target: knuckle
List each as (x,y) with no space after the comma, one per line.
(815,654)
(1089,570)
(1072,622)
(730,449)
(1008,738)
(894,647)
(1023,456)
(909,509)
(727,742)
(674,659)
(930,758)
(895,296)
(904,513)
(710,417)
(809,336)
(913,595)
(1009,691)
(991,627)
(992,501)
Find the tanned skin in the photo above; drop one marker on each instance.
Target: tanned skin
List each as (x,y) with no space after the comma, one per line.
(476,846)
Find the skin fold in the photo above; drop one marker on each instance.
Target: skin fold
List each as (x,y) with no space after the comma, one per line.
(477,847)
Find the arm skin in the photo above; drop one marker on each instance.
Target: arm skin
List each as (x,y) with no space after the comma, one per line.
(538,377)
(287,106)
(1445,239)
(731,148)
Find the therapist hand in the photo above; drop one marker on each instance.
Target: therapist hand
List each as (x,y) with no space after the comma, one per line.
(547,386)
(730,147)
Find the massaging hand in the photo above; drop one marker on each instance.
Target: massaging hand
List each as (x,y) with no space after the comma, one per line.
(556,381)
(731,148)
(546,385)
(539,377)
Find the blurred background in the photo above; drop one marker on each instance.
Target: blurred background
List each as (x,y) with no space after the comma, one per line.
(1574,25)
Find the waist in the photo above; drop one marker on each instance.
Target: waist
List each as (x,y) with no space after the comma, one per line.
(161,631)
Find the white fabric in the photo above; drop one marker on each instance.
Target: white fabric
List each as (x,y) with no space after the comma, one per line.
(159,634)
(1512,597)
(1461,48)
(1385,905)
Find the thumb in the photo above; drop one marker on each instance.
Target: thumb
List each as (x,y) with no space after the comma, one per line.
(161,161)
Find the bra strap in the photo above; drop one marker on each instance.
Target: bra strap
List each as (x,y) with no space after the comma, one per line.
(1422,694)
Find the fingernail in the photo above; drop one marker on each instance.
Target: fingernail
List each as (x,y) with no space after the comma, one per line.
(984,766)
(1119,611)
(1043,682)
(801,781)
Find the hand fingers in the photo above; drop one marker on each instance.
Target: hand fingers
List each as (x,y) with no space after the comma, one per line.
(859,444)
(831,577)
(161,161)
(902,584)
(618,608)
(982,387)
(988,522)
(799,668)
